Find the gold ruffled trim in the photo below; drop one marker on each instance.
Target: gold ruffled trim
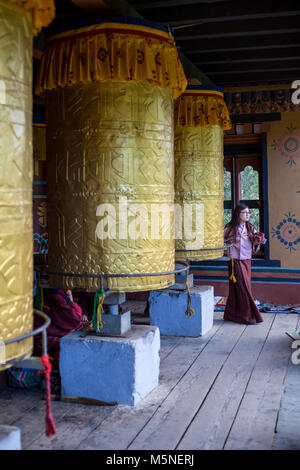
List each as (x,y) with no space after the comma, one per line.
(111,51)
(43,12)
(202,110)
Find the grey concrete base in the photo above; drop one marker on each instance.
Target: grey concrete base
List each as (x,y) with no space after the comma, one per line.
(114,298)
(111,369)
(115,324)
(180,278)
(10,438)
(167,311)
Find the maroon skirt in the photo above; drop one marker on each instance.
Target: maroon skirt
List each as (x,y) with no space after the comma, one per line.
(240,306)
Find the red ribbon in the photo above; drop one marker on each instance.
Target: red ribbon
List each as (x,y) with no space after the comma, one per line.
(50,425)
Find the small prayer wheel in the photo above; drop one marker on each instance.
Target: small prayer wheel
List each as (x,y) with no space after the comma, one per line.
(200,117)
(109,90)
(17,26)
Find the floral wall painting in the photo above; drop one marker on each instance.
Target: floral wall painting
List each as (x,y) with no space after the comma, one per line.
(288,232)
(283,158)
(288,144)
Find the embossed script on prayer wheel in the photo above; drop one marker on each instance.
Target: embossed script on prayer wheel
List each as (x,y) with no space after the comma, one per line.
(110,155)
(18,21)
(200,118)
(16,317)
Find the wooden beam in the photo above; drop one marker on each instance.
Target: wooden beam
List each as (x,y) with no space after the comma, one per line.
(241,139)
(249,79)
(259,117)
(257,71)
(266,39)
(242,49)
(238,34)
(283,86)
(91,5)
(224,19)
(255,60)
(232,68)
(121,7)
(244,56)
(171,3)
(246,82)
(244,26)
(187,10)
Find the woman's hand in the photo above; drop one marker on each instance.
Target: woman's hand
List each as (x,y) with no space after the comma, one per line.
(69,294)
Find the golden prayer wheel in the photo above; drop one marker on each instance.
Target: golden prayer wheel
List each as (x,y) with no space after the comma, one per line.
(200,118)
(109,90)
(17,26)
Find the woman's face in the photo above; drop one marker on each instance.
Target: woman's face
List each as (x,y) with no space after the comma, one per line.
(245,215)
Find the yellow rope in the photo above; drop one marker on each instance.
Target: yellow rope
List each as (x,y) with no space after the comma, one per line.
(100,311)
(232,276)
(189,310)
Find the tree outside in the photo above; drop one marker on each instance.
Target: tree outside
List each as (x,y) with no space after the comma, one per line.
(249,191)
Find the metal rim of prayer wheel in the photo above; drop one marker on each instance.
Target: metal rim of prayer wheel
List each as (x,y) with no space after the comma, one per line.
(200,117)
(112,140)
(101,276)
(42,329)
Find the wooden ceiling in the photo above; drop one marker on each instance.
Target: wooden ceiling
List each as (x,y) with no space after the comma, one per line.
(224,42)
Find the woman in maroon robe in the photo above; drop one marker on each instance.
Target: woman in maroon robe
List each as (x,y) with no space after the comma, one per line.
(241,307)
(65,316)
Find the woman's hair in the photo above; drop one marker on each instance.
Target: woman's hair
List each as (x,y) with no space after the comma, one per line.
(235,221)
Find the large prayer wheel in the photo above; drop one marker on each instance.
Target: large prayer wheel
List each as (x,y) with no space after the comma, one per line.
(109,90)
(201,117)
(18,21)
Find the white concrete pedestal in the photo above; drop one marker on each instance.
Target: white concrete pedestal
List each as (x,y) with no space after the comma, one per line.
(10,438)
(111,369)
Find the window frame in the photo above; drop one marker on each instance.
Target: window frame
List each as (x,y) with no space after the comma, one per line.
(261,146)
(236,158)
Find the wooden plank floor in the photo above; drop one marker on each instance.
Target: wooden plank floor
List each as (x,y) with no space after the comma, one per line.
(233,388)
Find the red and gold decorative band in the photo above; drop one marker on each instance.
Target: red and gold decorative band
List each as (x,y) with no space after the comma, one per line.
(110,28)
(214,94)
(200,107)
(111,51)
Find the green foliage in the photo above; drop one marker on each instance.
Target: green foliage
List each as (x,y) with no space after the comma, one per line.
(227,216)
(227,185)
(254,218)
(249,189)
(249,184)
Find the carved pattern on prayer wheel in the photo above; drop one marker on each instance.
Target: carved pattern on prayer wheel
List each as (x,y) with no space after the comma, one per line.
(199,182)
(200,118)
(16,242)
(110,143)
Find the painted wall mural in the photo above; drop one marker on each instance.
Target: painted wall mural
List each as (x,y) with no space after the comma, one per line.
(283,140)
(288,144)
(288,232)
(260,101)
